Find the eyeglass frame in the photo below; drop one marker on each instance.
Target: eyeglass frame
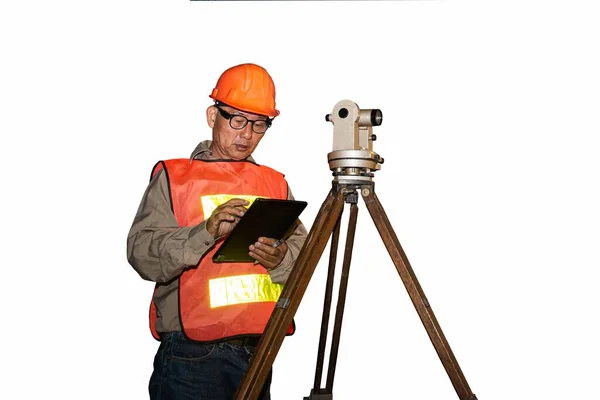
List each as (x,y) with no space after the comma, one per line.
(229,117)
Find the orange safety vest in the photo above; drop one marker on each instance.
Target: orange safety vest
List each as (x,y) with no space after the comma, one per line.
(220,300)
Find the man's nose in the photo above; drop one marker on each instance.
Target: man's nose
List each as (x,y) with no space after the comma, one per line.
(246,132)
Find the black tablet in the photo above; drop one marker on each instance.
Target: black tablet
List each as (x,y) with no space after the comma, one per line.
(270,218)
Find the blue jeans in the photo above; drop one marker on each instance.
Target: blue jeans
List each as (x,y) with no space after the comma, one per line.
(186,370)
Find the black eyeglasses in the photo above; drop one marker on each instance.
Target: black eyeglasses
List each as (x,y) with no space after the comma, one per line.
(239,121)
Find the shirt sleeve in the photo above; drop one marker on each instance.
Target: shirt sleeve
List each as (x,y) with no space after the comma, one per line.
(295,241)
(157,247)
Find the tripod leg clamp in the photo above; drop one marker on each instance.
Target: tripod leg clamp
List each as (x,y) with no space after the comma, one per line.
(318,396)
(283,303)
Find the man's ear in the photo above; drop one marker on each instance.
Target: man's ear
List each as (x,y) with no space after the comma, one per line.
(211,116)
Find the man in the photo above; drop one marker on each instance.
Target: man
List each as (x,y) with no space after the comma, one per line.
(208,316)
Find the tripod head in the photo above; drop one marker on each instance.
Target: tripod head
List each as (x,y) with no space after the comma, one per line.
(353,158)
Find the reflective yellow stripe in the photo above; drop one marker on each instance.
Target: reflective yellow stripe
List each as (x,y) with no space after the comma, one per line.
(241,289)
(209,203)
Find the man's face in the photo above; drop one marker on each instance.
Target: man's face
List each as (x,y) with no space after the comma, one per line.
(229,143)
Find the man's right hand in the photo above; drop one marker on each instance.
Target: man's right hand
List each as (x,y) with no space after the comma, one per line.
(225,217)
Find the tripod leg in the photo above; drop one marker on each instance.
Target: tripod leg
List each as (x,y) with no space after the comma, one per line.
(339,314)
(416,294)
(290,298)
(327,304)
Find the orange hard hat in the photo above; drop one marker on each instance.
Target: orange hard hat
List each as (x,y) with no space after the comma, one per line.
(247,87)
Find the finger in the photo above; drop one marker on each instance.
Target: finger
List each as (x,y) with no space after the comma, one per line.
(257,251)
(268,254)
(268,249)
(223,217)
(236,202)
(268,241)
(265,262)
(229,213)
(261,255)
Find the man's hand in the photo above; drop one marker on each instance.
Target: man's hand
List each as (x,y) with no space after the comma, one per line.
(225,217)
(264,252)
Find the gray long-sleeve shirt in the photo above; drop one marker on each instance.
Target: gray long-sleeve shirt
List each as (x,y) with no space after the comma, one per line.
(159,249)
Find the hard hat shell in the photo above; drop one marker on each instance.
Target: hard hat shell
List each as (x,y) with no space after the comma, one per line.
(247,87)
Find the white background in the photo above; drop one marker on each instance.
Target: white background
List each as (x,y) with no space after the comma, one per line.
(490,139)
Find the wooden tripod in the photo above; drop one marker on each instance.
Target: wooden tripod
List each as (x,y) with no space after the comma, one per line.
(327,223)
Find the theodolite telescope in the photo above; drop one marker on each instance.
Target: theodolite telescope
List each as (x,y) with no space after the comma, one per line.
(352,157)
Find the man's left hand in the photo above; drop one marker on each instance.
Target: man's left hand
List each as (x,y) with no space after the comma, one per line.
(264,252)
